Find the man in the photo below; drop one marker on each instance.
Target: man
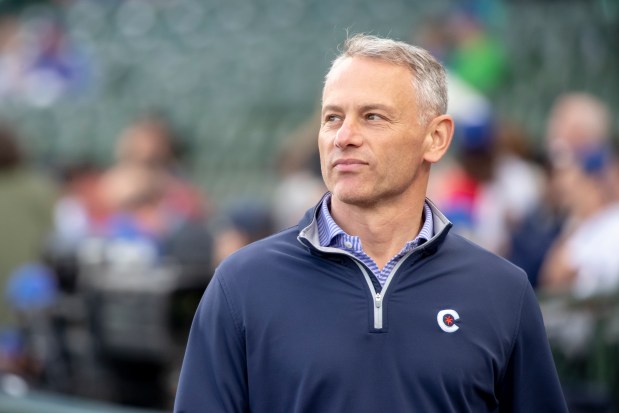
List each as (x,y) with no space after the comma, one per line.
(371,304)
(583,260)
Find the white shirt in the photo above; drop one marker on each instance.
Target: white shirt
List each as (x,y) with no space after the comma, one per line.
(593,251)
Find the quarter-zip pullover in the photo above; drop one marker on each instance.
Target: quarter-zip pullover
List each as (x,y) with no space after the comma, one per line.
(289,326)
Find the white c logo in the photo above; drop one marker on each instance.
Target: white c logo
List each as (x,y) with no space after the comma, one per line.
(446,320)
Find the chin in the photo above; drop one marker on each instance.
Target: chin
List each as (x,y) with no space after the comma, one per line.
(354,196)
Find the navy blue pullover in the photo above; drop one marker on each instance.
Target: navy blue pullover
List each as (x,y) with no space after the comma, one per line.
(288,326)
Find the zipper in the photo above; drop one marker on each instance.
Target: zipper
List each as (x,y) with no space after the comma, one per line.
(378,298)
(378,311)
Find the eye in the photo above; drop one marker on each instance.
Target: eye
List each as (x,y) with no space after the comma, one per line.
(373,116)
(329,118)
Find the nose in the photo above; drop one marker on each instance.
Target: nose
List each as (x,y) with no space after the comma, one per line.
(347,135)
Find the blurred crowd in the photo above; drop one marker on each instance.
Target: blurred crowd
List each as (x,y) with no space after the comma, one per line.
(552,209)
(102,266)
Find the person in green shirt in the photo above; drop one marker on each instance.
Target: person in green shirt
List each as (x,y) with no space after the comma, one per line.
(26,215)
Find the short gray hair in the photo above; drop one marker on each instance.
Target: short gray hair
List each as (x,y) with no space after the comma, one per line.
(429,79)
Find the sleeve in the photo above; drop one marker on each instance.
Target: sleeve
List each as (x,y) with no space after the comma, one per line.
(213,374)
(530,382)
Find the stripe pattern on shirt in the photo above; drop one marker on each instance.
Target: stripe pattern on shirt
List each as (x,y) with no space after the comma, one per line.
(331,235)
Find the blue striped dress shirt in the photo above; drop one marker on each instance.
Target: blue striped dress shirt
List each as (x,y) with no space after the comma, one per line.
(331,235)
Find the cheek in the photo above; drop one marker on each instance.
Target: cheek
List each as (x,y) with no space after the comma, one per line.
(566,181)
(323,151)
(325,144)
(322,140)
(403,163)
(404,156)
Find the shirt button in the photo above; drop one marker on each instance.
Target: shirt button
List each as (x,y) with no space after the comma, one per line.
(348,244)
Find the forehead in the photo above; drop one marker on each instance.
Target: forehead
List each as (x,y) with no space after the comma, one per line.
(577,121)
(368,67)
(356,76)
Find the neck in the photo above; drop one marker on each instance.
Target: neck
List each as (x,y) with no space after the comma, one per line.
(383,229)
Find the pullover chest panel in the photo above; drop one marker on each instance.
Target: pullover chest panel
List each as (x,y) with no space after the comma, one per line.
(314,334)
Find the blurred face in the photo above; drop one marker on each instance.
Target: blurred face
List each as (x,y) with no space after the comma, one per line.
(144,144)
(371,144)
(576,190)
(576,122)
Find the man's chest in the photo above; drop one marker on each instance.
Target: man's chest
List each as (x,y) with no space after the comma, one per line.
(329,335)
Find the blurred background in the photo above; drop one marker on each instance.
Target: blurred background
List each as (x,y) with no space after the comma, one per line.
(142,141)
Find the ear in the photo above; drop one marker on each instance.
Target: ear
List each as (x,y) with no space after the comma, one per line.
(439,133)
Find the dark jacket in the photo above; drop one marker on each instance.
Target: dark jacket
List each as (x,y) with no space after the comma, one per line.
(287,326)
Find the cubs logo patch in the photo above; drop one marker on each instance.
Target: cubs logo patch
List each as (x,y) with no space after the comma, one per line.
(446,320)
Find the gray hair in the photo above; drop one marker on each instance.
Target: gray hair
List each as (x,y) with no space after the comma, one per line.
(429,79)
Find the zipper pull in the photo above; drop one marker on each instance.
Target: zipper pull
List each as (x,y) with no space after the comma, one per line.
(378,300)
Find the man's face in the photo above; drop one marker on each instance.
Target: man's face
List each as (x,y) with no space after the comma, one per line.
(371,143)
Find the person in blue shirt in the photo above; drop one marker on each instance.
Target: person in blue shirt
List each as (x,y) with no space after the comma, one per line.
(371,304)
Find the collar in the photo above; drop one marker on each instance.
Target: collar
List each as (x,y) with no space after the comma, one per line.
(331,234)
(308,229)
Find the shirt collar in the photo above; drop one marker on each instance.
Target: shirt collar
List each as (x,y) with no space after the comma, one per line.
(329,231)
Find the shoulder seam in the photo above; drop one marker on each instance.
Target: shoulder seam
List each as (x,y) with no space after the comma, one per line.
(238,325)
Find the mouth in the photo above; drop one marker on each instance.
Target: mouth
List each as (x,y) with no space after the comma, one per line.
(348,164)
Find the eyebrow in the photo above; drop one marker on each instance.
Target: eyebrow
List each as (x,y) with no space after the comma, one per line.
(363,108)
